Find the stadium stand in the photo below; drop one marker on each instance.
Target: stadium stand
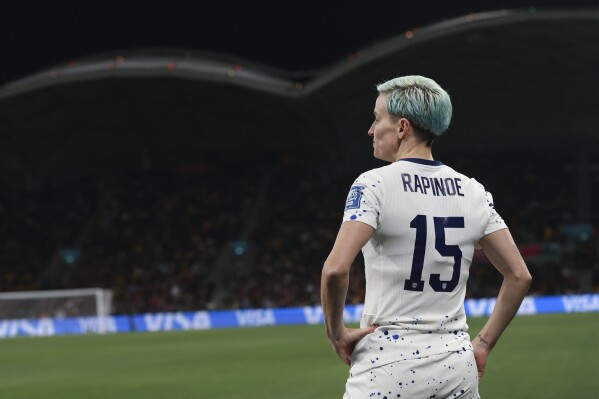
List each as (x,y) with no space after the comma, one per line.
(184,239)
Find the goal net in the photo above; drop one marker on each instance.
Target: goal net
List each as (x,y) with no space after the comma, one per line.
(57,304)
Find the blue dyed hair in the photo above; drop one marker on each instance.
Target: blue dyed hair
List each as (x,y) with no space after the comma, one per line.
(421,100)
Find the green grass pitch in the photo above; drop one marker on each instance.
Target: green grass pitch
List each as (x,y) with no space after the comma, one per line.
(546,356)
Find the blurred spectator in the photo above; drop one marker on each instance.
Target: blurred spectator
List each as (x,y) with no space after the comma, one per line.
(155,237)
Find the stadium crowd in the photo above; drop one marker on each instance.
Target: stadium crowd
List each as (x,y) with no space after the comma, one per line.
(185,239)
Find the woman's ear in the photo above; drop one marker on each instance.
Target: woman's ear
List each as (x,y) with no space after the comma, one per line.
(402,126)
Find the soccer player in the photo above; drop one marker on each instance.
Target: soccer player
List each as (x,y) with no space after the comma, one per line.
(417,223)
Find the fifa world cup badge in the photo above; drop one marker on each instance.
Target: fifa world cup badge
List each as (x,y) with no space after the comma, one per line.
(354,197)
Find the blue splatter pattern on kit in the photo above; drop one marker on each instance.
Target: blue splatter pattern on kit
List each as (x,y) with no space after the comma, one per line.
(357,214)
(389,343)
(451,375)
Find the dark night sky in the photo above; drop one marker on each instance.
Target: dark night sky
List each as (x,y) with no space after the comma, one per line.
(298,36)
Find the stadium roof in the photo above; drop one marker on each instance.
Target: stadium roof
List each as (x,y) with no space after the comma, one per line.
(518,80)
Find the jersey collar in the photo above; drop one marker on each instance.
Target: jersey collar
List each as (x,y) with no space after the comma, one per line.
(423,161)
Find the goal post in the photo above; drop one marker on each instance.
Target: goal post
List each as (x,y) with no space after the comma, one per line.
(57,304)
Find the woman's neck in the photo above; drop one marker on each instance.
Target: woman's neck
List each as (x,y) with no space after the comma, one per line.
(421,151)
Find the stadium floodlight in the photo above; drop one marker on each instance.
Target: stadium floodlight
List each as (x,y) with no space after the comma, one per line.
(57,304)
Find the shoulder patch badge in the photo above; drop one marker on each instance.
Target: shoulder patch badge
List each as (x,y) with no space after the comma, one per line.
(354,197)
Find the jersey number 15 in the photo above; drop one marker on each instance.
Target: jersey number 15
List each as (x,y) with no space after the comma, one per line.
(415,282)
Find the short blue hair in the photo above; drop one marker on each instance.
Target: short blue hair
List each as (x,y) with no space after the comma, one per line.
(421,100)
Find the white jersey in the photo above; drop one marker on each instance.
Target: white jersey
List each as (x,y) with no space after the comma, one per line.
(427,219)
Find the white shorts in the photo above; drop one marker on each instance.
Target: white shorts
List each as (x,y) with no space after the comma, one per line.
(447,375)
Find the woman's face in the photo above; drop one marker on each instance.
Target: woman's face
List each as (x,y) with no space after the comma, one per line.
(384,131)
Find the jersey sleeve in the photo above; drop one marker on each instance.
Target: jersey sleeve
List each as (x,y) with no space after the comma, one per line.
(363,202)
(495,222)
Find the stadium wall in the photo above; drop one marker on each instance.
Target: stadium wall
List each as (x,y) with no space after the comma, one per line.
(204,320)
